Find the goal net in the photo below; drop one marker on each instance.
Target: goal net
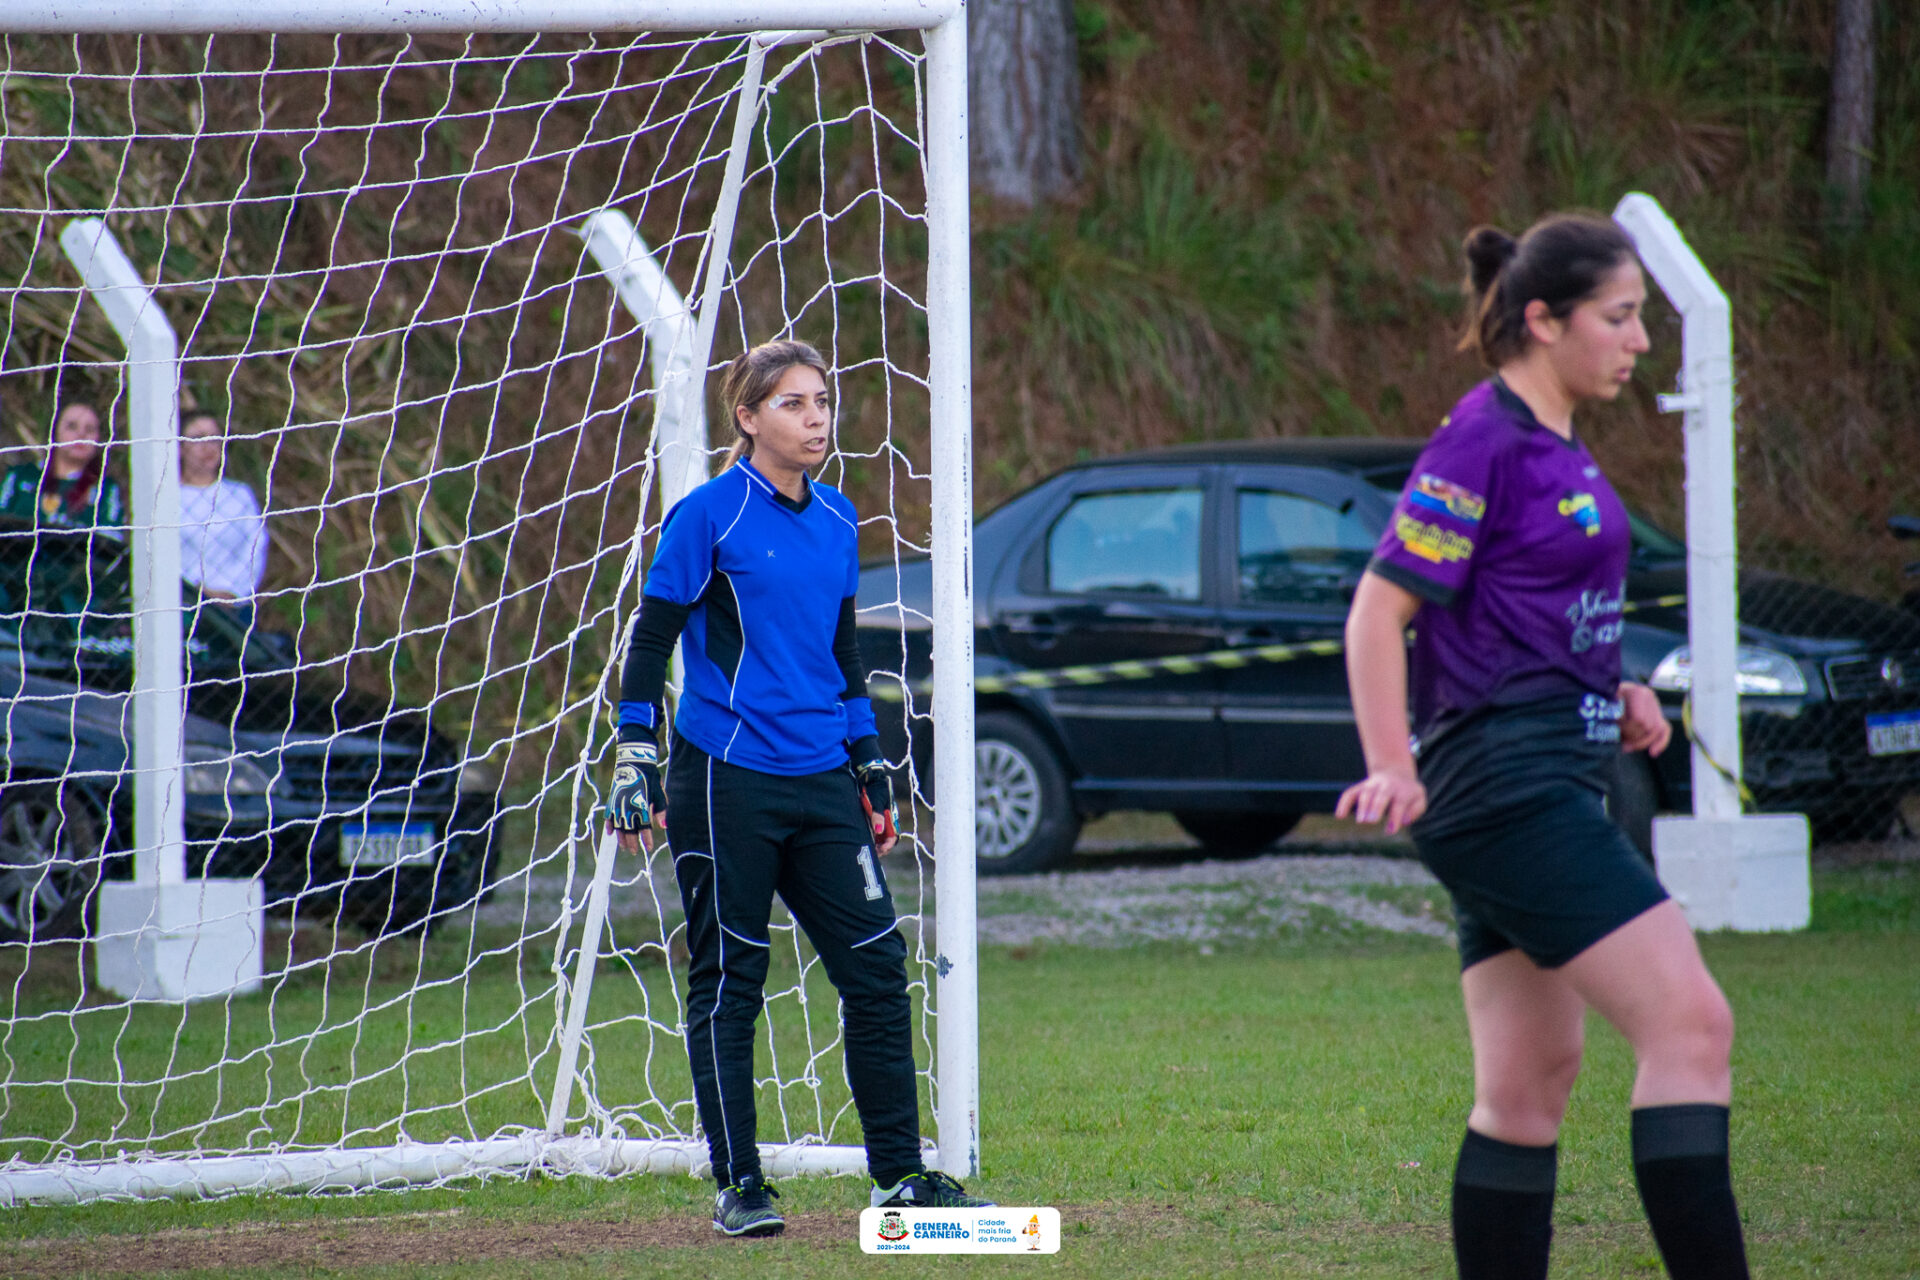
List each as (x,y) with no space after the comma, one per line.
(449,304)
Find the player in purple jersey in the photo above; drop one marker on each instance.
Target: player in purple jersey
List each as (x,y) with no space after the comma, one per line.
(1508,553)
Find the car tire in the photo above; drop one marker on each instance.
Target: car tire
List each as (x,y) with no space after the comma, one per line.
(1023,815)
(1235,835)
(1635,799)
(52,847)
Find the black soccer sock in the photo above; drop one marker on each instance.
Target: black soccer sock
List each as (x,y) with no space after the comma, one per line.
(1503,1209)
(1680,1162)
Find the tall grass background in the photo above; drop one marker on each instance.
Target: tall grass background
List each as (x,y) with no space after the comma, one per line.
(1265,244)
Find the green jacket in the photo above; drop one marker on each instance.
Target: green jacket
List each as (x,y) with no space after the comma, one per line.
(20,497)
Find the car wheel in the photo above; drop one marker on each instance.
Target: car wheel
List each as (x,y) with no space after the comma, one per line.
(1236,835)
(1023,817)
(51,849)
(1635,799)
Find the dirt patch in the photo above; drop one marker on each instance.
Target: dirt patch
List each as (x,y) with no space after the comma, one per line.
(351,1244)
(459,1237)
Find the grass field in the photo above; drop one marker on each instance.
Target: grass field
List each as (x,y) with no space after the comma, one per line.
(1285,1108)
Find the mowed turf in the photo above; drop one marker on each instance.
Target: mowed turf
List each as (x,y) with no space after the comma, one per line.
(1290,1109)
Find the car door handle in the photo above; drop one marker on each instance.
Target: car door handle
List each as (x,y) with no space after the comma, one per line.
(1038,629)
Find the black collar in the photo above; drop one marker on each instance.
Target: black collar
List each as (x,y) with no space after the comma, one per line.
(1510,400)
(795,505)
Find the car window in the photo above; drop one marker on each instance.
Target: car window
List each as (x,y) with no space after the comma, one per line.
(1295,550)
(1650,542)
(1136,542)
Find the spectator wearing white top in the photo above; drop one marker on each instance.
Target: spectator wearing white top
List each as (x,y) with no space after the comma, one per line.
(223,536)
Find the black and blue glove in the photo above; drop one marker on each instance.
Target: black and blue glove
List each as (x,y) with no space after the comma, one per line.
(876,789)
(637,794)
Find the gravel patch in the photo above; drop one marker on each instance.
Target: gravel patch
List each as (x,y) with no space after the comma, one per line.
(1129,896)
(1206,902)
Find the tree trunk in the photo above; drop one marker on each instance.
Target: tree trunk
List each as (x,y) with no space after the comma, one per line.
(1023,99)
(1850,113)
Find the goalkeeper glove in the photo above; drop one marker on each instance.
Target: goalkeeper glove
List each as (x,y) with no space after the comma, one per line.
(876,789)
(636,793)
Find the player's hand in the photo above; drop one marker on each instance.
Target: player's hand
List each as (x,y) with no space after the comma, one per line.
(1643,727)
(876,794)
(637,798)
(1395,795)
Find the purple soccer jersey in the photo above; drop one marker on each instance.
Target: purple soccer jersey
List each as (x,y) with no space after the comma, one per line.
(1517,546)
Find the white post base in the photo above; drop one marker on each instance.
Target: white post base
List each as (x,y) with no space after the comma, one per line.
(175,942)
(1749,873)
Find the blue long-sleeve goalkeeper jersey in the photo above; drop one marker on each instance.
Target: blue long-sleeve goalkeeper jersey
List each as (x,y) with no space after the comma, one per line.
(765,585)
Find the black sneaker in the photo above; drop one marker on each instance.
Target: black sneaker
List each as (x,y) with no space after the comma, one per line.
(746,1209)
(927,1191)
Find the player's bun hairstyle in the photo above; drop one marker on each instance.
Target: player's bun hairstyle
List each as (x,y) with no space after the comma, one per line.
(1561,260)
(751,378)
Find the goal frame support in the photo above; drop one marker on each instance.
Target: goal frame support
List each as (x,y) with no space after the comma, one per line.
(943,26)
(160,936)
(1726,869)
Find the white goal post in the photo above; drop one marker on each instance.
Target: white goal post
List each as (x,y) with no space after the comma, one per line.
(1726,868)
(380,1047)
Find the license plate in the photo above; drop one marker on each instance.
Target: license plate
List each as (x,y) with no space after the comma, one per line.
(386,844)
(1893,734)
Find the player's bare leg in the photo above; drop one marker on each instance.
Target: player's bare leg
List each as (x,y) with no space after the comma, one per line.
(1648,980)
(1528,1028)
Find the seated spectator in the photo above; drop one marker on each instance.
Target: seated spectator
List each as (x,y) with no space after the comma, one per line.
(70,491)
(223,536)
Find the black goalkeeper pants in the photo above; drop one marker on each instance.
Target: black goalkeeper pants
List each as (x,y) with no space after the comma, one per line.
(740,836)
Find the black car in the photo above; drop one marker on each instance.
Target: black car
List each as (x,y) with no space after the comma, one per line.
(342,803)
(1240,546)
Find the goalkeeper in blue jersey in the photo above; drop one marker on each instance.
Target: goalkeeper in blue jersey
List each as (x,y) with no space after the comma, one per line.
(775,757)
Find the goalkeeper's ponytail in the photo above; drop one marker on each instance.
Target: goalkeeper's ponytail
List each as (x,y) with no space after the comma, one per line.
(751,378)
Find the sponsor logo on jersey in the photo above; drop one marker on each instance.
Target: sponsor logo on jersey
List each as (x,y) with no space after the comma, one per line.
(1583,511)
(1434,494)
(1430,542)
(1596,619)
(1602,716)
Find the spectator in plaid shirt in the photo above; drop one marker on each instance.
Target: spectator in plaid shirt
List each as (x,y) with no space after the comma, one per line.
(223,536)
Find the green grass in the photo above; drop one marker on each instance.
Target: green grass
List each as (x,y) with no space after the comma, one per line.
(1286,1109)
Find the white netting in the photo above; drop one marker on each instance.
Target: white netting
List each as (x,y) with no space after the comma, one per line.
(370,250)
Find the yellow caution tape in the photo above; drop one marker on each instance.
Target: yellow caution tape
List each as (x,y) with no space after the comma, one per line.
(886,688)
(1686,723)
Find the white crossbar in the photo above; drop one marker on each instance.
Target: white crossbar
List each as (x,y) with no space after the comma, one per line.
(199,17)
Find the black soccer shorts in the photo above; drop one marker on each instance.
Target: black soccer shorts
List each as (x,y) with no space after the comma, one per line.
(1551,875)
